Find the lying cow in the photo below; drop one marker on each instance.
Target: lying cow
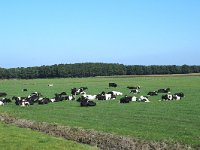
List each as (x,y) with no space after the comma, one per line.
(116,93)
(154,93)
(127,99)
(5,100)
(135,91)
(167,97)
(112,85)
(133,87)
(181,94)
(143,99)
(166,90)
(85,102)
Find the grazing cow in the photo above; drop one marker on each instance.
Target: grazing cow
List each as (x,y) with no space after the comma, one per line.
(154,93)
(167,97)
(50,85)
(135,91)
(143,99)
(113,85)
(133,87)
(3,94)
(1,103)
(181,94)
(24,90)
(167,90)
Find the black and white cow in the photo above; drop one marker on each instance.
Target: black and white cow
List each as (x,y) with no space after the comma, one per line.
(116,93)
(33,98)
(167,97)
(61,96)
(154,93)
(181,94)
(18,100)
(176,97)
(143,99)
(133,87)
(85,102)
(166,90)
(127,99)
(50,85)
(135,91)
(77,91)
(5,100)
(112,85)
(42,101)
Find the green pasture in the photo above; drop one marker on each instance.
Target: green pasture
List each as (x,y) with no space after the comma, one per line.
(171,121)
(14,138)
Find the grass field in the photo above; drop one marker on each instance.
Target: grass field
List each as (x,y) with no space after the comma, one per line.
(172,121)
(12,138)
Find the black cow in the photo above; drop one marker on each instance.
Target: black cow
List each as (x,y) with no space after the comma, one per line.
(167,90)
(24,90)
(60,97)
(125,99)
(3,94)
(154,93)
(87,103)
(113,85)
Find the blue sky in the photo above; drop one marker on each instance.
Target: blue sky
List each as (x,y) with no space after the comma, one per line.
(132,32)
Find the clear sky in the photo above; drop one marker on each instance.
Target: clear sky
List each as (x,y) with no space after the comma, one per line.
(133,32)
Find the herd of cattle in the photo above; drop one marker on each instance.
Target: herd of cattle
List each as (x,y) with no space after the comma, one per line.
(79,94)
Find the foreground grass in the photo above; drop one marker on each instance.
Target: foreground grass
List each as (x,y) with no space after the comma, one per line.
(12,138)
(175,121)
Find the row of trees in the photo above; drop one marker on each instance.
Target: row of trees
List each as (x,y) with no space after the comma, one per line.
(92,69)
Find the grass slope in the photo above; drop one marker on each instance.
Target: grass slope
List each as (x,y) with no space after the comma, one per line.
(12,138)
(175,121)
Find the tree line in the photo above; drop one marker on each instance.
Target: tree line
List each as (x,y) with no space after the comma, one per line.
(93,69)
